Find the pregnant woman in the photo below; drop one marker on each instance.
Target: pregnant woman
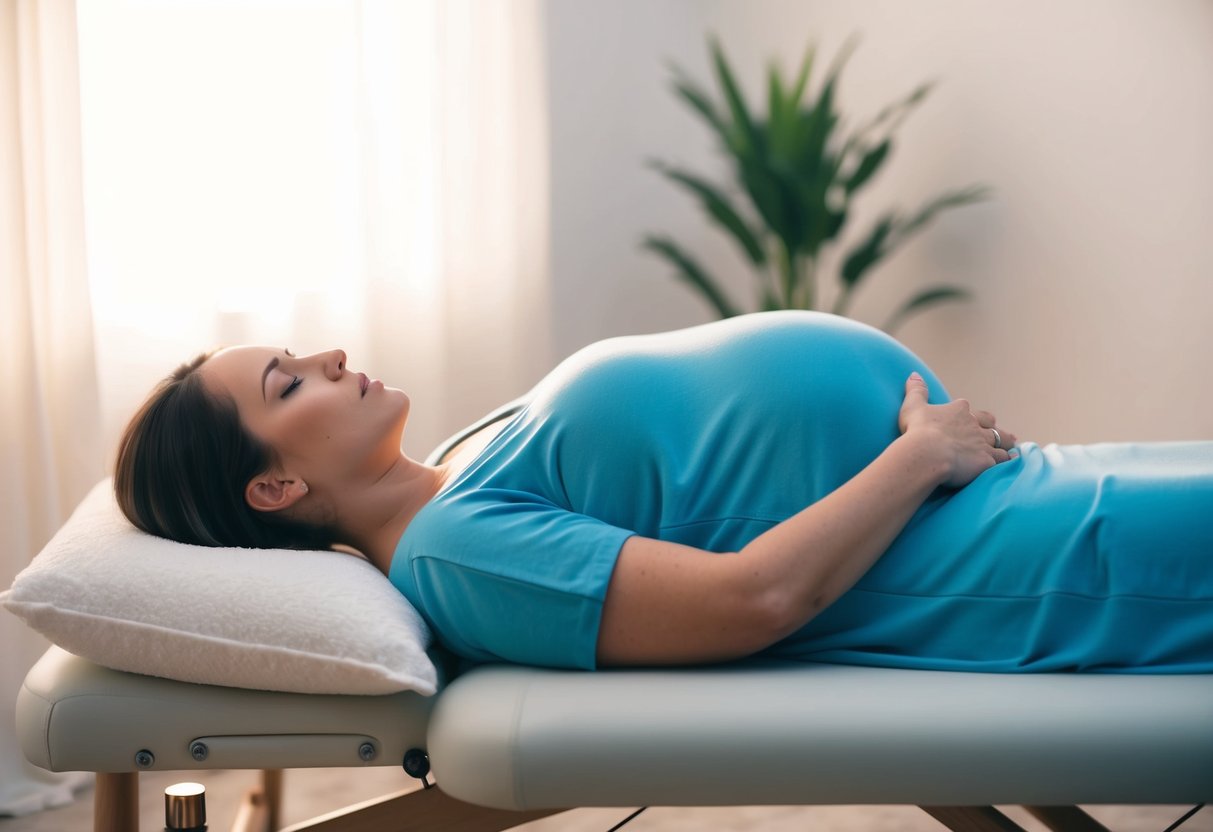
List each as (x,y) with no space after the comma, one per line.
(787,483)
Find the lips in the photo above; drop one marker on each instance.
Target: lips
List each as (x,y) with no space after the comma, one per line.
(363,383)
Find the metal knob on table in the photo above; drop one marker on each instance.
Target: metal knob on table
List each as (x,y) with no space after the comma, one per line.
(185,807)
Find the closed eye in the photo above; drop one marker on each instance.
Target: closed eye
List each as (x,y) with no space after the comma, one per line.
(290,388)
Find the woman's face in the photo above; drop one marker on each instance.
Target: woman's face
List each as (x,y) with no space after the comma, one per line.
(328,425)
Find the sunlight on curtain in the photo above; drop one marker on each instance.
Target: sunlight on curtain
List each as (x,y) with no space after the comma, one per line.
(367,175)
(50,455)
(457,213)
(221,182)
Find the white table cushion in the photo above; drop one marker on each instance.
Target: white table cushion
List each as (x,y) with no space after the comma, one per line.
(803,734)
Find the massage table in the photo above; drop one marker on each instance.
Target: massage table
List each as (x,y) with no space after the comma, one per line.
(507,745)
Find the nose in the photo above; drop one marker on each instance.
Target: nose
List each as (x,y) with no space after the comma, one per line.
(334,364)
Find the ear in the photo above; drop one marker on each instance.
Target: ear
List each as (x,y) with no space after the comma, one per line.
(273,491)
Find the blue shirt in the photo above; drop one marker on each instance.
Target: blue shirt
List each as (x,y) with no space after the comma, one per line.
(1095,558)
(706,436)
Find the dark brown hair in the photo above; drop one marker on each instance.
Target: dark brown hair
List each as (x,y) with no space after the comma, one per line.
(183,465)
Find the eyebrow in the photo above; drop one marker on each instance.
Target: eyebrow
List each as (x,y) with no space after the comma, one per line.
(273,363)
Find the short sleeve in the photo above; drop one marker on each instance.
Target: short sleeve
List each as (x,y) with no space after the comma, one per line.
(506,576)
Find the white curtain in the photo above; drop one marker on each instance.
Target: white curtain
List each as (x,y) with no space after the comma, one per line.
(456,214)
(49,422)
(367,174)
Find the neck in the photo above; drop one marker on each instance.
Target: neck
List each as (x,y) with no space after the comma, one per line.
(375,515)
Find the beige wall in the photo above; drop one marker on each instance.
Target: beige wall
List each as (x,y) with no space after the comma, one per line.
(1092,268)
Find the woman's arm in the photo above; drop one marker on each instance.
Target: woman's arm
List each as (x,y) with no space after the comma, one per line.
(668,603)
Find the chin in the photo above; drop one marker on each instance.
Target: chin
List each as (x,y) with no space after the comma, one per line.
(405,403)
(404,407)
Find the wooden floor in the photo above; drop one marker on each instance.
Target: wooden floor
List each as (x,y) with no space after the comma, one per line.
(311,792)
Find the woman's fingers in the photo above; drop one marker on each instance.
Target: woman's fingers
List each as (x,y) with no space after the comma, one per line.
(916,397)
(985,418)
(916,388)
(1002,438)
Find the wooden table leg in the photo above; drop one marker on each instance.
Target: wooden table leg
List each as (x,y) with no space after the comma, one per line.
(972,818)
(271,787)
(261,809)
(116,802)
(419,810)
(1066,819)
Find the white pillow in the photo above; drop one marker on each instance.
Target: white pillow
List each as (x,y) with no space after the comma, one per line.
(273,619)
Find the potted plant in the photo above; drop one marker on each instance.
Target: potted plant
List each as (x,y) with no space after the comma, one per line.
(799,179)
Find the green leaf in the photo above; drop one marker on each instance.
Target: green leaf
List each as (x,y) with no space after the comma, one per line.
(742,123)
(844,55)
(769,302)
(770,199)
(857,140)
(804,176)
(781,120)
(690,271)
(896,111)
(775,108)
(870,163)
(890,232)
(817,216)
(837,219)
(813,162)
(820,121)
(823,114)
(974,193)
(720,209)
(699,102)
(806,67)
(921,301)
(813,128)
(867,253)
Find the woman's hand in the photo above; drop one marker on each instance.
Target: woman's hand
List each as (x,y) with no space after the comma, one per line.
(961,439)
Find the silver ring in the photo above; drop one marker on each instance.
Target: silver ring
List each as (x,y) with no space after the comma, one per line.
(997,438)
